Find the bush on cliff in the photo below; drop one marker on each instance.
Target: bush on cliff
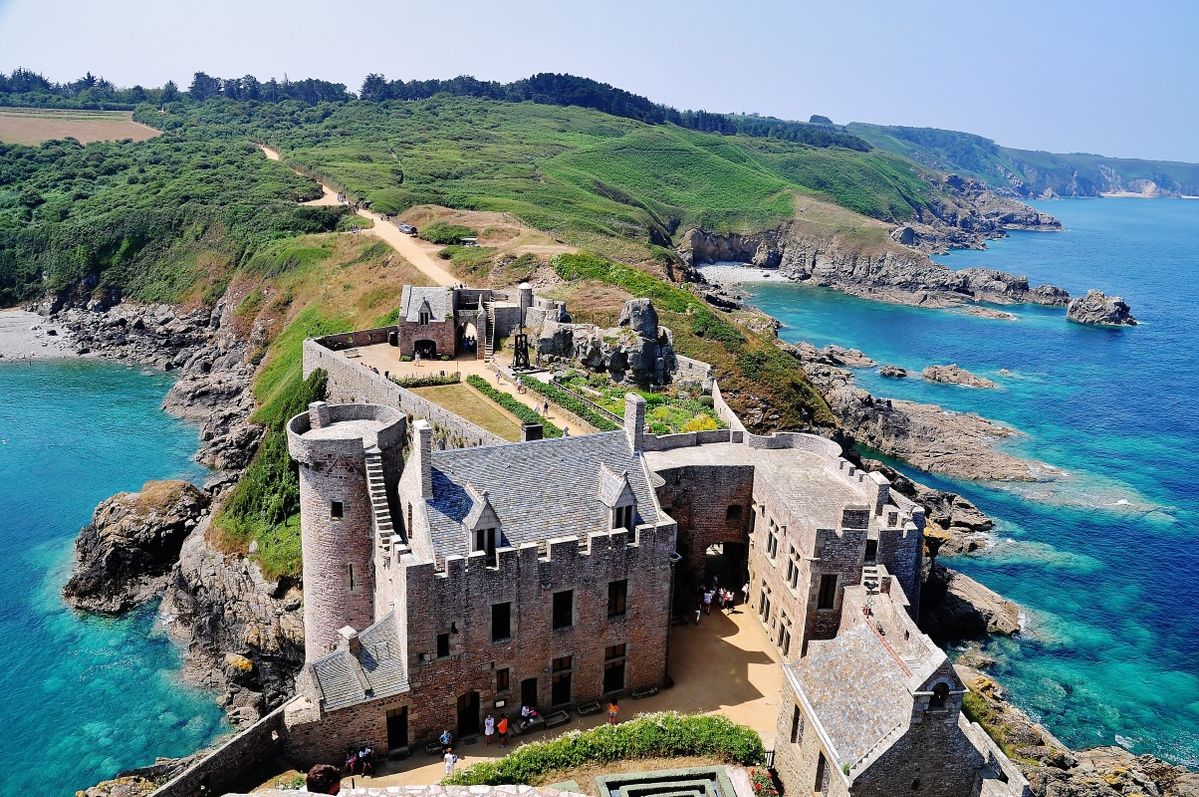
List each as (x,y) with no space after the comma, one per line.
(662,735)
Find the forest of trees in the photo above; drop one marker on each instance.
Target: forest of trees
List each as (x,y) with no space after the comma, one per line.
(25,87)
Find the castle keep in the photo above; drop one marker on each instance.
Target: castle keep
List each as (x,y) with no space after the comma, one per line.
(444,583)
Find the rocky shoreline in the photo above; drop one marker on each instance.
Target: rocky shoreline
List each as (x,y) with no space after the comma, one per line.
(242,635)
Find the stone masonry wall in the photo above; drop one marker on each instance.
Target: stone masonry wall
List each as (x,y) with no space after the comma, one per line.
(699,498)
(325,741)
(349,381)
(459,601)
(224,766)
(796,764)
(443,334)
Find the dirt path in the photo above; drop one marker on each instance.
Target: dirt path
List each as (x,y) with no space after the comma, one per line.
(408,247)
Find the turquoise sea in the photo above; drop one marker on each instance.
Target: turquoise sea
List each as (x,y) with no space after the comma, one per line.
(1105,563)
(83,697)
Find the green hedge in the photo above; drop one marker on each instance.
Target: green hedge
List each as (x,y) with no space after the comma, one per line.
(572,403)
(512,405)
(661,735)
(442,233)
(432,380)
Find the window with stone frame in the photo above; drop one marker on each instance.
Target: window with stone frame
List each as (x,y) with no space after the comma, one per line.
(425,317)
(733,513)
(503,680)
(443,645)
(501,621)
(622,517)
(796,725)
(618,596)
(785,635)
(560,680)
(827,597)
(821,785)
(614,660)
(563,609)
(336,510)
(792,568)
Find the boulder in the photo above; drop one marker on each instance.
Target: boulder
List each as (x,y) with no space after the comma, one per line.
(640,316)
(893,371)
(953,375)
(122,558)
(1099,308)
(954,606)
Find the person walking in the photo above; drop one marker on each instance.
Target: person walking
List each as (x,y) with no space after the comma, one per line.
(502,727)
(364,760)
(613,710)
(745,593)
(446,739)
(488,729)
(450,760)
(708,596)
(351,761)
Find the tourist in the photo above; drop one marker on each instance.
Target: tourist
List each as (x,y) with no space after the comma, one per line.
(613,710)
(323,779)
(488,728)
(450,761)
(708,596)
(566,431)
(545,408)
(502,727)
(745,593)
(351,761)
(364,759)
(446,739)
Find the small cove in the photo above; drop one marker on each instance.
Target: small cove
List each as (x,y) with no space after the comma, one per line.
(85,697)
(1102,561)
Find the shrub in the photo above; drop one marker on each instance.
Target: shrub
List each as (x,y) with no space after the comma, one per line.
(661,735)
(512,405)
(432,380)
(701,423)
(572,403)
(763,784)
(441,233)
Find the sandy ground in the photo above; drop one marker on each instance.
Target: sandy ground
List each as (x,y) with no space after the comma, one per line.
(421,256)
(725,665)
(730,273)
(23,337)
(31,126)
(386,358)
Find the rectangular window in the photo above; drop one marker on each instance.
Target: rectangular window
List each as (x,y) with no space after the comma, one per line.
(828,591)
(772,545)
(560,680)
(501,621)
(821,775)
(503,680)
(618,595)
(622,517)
(485,541)
(614,658)
(764,606)
(336,510)
(351,567)
(443,645)
(785,636)
(562,663)
(796,725)
(564,604)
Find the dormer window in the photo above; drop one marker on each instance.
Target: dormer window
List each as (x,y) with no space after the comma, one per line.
(482,526)
(622,517)
(425,314)
(939,698)
(485,540)
(424,318)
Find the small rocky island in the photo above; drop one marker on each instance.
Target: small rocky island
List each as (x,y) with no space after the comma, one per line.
(952,374)
(1099,308)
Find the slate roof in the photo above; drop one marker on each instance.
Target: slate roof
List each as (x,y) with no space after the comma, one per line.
(856,688)
(612,485)
(413,297)
(377,671)
(538,490)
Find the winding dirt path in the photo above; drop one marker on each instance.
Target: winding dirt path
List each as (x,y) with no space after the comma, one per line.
(408,247)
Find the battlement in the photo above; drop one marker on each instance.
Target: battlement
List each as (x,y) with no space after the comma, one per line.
(337,430)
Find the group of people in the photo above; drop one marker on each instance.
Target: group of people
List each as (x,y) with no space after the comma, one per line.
(725,599)
(470,343)
(359,761)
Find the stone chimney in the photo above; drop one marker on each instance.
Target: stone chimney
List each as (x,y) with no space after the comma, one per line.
(423,434)
(347,639)
(882,491)
(634,420)
(531,431)
(318,414)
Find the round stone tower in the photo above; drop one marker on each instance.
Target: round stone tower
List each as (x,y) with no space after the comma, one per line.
(350,457)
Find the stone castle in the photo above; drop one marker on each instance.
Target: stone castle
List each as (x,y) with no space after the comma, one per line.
(442,583)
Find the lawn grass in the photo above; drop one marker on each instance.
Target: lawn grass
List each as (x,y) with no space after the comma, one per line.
(466,402)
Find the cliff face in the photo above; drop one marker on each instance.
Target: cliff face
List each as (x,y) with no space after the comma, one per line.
(889,273)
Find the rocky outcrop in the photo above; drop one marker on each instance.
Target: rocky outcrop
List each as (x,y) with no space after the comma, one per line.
(1053,770)
(636,350)
(929,437)
(1099,308)
(123,557)
(954,607)
(954,526)
(952,374)
(891,273)
(244,633)
(143,781)
(893,372)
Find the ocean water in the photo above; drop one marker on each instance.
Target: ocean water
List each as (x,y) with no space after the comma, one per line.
(1105,562)
(83,697)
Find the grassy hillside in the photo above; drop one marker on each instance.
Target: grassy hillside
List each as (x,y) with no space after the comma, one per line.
(1027,172)
(574,172)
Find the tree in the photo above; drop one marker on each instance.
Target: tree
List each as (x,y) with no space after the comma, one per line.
(251,89)
(203,86)
(170,92)
(374,88)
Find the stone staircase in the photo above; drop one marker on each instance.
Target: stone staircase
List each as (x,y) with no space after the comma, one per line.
(488,330)
(870,578)
(386,536)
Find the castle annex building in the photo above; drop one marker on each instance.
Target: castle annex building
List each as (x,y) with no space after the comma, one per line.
(442,583)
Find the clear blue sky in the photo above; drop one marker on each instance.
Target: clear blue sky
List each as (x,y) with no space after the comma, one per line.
(1119,78)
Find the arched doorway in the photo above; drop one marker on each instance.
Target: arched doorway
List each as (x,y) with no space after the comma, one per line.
(468,338)
(468,715)
(427,349)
